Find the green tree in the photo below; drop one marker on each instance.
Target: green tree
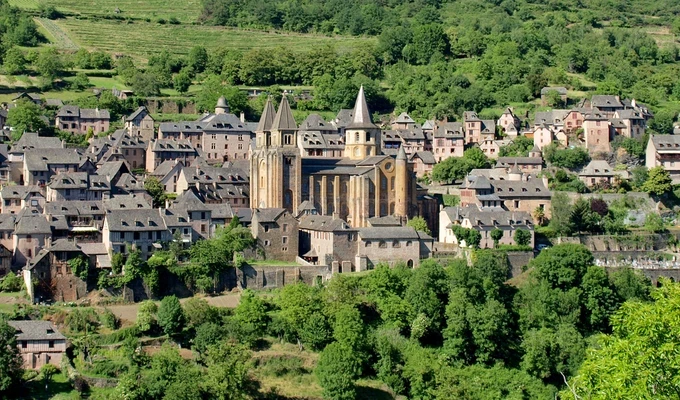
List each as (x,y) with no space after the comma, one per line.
(563,266)
(146,316)
(522,237)
(600,298)
(419,224)
(639,360)
(48,65)
(654,223)
(631,284)
(10,359)
(226,376)
(658,181)
(47,371)
(496,235)
(198,311)
(14,61)
(297,303)
(182,81)
(197,59)
(315,332)
(336,370)
(25,117)
(583,219)
(156,190)
(251,315)
(207,334)
(80,82)
(170,315)
(211,90)
(560,214)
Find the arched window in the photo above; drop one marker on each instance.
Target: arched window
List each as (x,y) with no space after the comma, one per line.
(395,243)
(392,183)
(409,263)
(382,244)
(368,244)
(356,137)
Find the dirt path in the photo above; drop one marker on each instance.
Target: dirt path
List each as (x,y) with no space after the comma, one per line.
(128,312)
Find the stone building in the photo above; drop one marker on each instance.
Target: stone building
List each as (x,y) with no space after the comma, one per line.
(362,185)
(39,343)
(78,120)
(276,231)
(664,151)
(597,132)
(140,123)
(328,241)
(391,245)
(484,220)
(162,150)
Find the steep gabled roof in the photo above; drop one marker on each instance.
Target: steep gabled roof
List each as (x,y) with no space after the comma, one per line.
(284,120)
(267,118)
(361,117)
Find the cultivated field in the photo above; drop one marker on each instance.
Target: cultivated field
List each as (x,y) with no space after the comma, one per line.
(183,10)
(141,39)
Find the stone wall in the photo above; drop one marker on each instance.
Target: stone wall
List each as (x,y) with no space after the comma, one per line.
(269,277)
(170,107)
(518,260)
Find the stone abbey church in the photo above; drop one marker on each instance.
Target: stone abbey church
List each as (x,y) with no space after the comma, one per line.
(364,184)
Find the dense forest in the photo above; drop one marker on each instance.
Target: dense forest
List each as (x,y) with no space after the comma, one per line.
(440,331)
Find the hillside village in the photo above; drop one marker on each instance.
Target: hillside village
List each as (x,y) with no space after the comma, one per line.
(326,196)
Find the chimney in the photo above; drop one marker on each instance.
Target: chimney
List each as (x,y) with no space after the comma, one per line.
(243,117)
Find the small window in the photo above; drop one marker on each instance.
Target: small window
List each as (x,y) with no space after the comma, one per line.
(24,344)
(396,243)
(267,243)
(382,244)
(409,243)
(369,244)
(285,227)
(284,240)
(50,344)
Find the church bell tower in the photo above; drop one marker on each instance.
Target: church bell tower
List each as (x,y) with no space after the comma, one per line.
(275,163)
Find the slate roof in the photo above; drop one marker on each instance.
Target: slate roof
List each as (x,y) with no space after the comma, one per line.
(31,140)
(222,123)
(361,117)
(112,168)
(388,233)
(284,121)
(601,168)
(137,113)
(7,222)
(314,122)
(171,145)
(212,175)
(32,224)
(135,220)
(510,161)
(267,215)
(83,113)
(449,130)
(478,182)
(404,118)
(666,143)
(74,208)
(388,220)
(630,114)
(18,192)
(267,117)
(426,156)
(70,180)
(39,160)
(531,187)
(127,202)
(495,217)
(320,140)
(36,330)
(605,101)
(554,117)
(344,117)
(322,223)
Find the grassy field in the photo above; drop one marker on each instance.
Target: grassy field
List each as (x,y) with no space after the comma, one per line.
(183,10)
(141,39)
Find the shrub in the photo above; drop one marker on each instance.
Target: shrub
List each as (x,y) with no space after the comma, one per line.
(11,283)
(109,319)
(280,366)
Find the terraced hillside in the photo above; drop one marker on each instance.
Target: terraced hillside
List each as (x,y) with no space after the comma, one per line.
(140,39)
(183,10)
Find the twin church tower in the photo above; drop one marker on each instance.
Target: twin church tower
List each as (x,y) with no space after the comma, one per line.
(364,184)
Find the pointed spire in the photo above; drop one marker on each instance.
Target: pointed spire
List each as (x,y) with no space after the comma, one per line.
(267,118)
(284,120)
(401,154)
(361,116)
